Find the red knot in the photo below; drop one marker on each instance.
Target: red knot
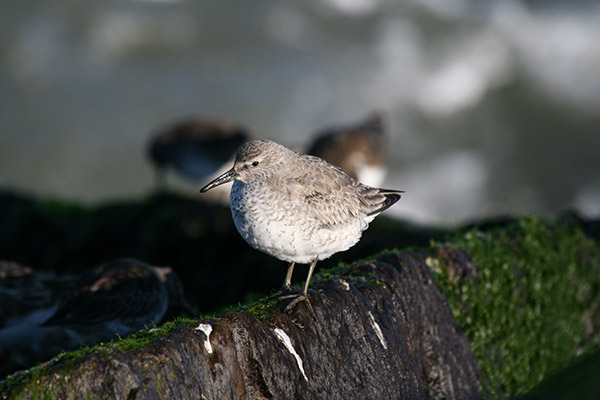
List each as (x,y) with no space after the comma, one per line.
(298,208)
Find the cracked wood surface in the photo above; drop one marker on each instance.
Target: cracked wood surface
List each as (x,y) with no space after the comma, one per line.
(396,340)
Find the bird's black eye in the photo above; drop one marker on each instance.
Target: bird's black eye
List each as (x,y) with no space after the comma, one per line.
(255,163)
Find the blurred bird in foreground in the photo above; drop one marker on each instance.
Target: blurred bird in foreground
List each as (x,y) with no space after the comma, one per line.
(43,313)
(24,291)
(358,149)
(194,148)
(118,298)
(28,298)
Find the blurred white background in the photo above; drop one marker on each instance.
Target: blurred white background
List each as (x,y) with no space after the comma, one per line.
(491,106)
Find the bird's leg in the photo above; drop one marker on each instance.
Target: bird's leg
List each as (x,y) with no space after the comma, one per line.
(310,272)
(287,285)
(304,294)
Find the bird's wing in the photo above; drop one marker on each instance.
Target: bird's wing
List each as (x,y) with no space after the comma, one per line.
(330,197)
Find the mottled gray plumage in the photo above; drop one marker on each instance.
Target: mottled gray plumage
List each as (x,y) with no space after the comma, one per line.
(298,208)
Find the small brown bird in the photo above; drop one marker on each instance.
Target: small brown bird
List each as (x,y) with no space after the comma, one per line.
(358,149)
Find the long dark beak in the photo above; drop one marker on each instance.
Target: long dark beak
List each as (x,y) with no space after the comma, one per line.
(226,177)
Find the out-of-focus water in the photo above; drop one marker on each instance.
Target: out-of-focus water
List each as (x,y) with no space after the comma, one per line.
(492,106)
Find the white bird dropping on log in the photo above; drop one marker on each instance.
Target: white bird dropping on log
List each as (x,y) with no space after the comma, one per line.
(206,329)
(377,330)
(285,339)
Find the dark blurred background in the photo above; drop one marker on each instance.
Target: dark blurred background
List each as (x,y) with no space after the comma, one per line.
(491,106)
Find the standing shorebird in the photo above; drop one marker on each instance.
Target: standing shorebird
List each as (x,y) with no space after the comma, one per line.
(298,208)
(359,149)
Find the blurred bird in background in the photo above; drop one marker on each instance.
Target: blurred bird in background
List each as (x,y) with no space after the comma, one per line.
(195,149)
(357,148)
(203,148)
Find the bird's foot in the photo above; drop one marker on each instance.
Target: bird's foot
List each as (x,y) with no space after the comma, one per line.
(288,293)
(296,299)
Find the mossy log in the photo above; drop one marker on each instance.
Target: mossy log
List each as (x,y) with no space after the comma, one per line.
(525,291)
(391,335)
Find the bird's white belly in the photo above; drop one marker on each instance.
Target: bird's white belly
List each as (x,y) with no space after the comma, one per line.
(269,225)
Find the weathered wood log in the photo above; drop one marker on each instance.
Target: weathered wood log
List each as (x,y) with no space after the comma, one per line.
(391,336)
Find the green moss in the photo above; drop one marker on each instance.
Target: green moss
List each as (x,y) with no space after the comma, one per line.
(338,272)
(29,386)
(578,381)
(159,387)
(351,272)
(261,309)
(142,339)
(523,313)
(171,371)
(28,382)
